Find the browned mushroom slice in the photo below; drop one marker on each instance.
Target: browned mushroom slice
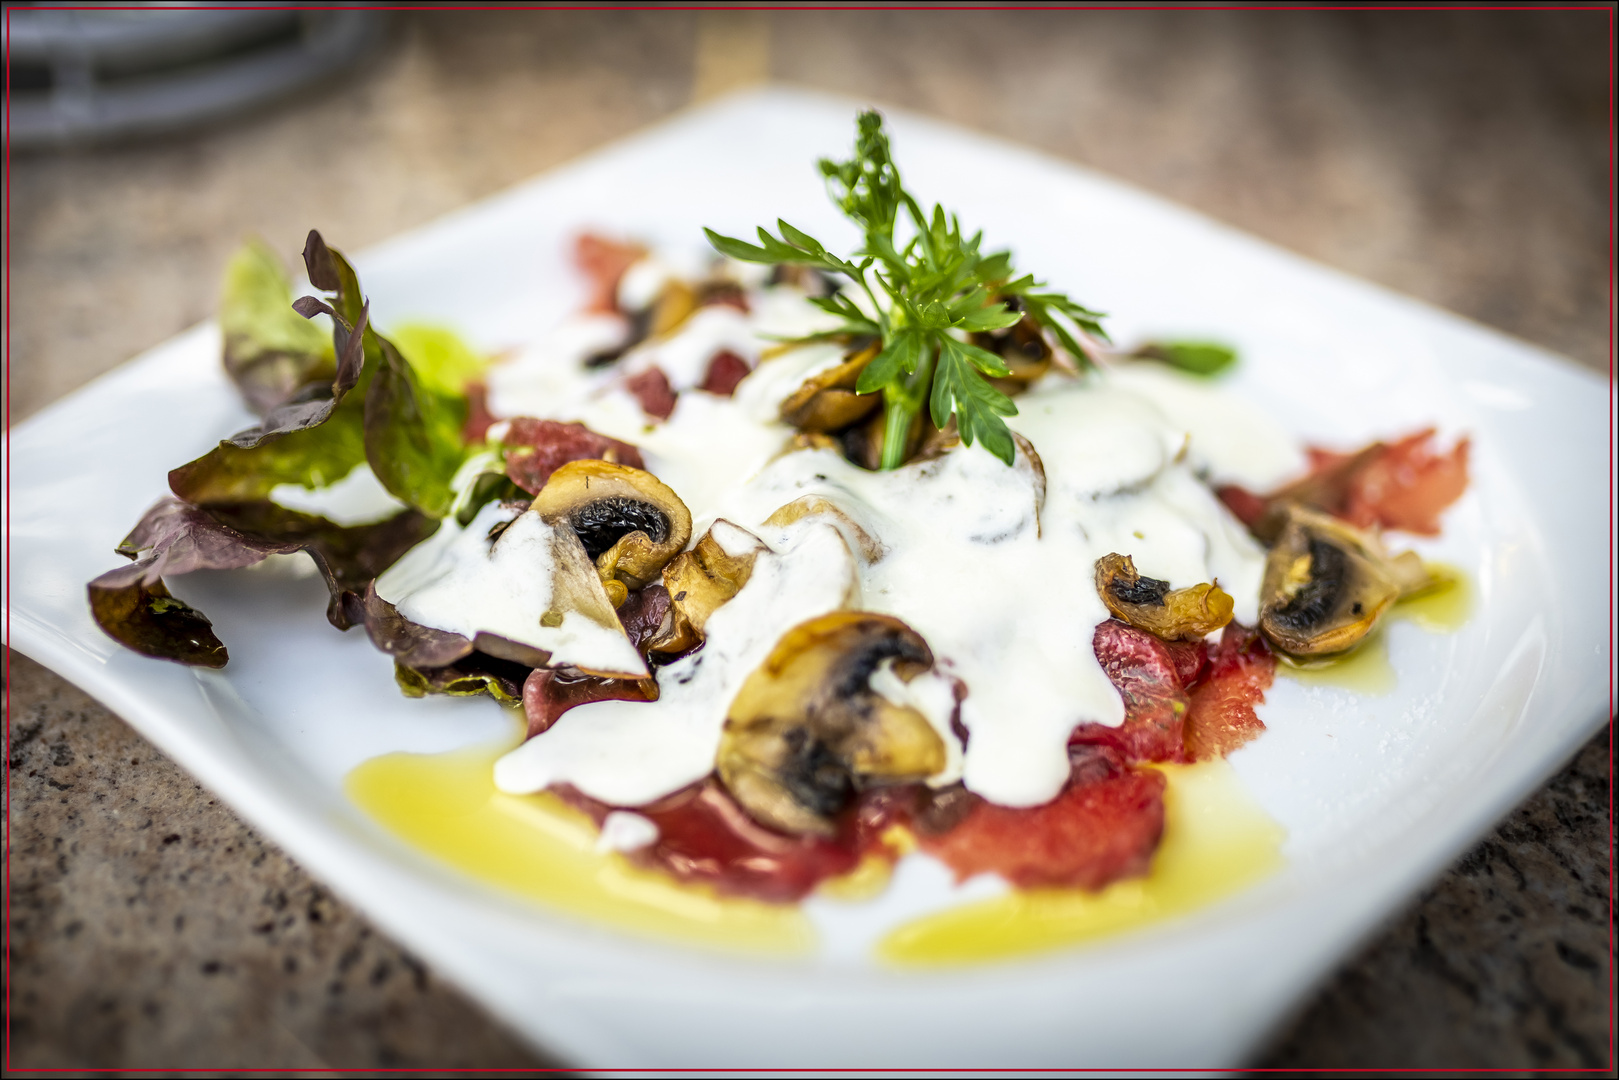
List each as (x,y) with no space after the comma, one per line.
(674,305)
(859,539)
(630,523)
(827,401)
(807,731)
(702,579)
(1326,584)
(1149,604)
(1024,350)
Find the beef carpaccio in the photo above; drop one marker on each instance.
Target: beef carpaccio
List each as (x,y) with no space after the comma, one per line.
(794,562)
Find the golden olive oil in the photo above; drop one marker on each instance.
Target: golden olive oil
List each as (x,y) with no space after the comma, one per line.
(1217,840)
(1441,608)
(538,847)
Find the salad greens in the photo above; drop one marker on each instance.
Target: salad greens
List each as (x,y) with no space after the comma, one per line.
(930,294)
(327,408)
(270,351)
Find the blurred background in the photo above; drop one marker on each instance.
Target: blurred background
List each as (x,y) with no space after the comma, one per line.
(1460,157)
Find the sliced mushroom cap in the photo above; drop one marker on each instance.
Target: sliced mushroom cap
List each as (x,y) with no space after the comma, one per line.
(806,731)
(674,305)
(1023,348)
(808,506)
(699,581)
(576,589)
(1149,604)
(827,401)
(629,522)
(520,589)
(1326,584)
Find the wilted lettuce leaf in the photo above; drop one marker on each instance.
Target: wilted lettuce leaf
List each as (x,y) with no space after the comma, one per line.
(475,674)
(270,352)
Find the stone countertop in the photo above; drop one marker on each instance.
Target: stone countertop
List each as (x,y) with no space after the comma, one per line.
(1458,157)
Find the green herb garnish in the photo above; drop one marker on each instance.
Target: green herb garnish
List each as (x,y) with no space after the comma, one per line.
(1204,358)
(929,296)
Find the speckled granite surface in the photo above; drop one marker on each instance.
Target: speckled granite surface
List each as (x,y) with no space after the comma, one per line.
(1460,158)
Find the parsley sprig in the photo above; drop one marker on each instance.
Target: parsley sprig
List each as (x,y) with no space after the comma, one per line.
(923,299)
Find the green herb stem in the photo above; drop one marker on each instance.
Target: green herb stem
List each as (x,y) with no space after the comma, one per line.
(902,404)
(940,289)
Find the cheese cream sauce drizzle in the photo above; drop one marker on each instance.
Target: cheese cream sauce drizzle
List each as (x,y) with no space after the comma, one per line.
(461,581)
(993,566)
(627,753)
(357,499)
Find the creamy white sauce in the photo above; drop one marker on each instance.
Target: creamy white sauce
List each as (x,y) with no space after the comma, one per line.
(357,499)
(684,357)
(629,753)
(624,830)
(934,696)
(458,581)
(1232,440)
(993,566)
(643,281)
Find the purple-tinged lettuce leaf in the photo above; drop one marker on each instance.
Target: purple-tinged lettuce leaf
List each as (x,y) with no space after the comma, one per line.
(375,410)
(349,557)
(428,661)
(174,538)
(317,437)
(272,355)
(409,643)
(134,607)
(144,617)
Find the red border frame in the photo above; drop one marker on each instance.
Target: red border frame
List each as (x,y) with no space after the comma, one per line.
(808,7)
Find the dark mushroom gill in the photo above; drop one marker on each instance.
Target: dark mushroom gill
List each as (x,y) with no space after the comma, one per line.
(600,524)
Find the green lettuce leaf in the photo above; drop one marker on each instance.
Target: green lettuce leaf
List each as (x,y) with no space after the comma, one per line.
(368,405)
(413,435)
(443,363)
(270,352)
(314,457)
(376,409)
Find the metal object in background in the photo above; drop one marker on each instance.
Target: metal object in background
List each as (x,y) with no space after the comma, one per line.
(89,76)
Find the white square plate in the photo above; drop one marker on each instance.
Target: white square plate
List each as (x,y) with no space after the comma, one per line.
(1377,794)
